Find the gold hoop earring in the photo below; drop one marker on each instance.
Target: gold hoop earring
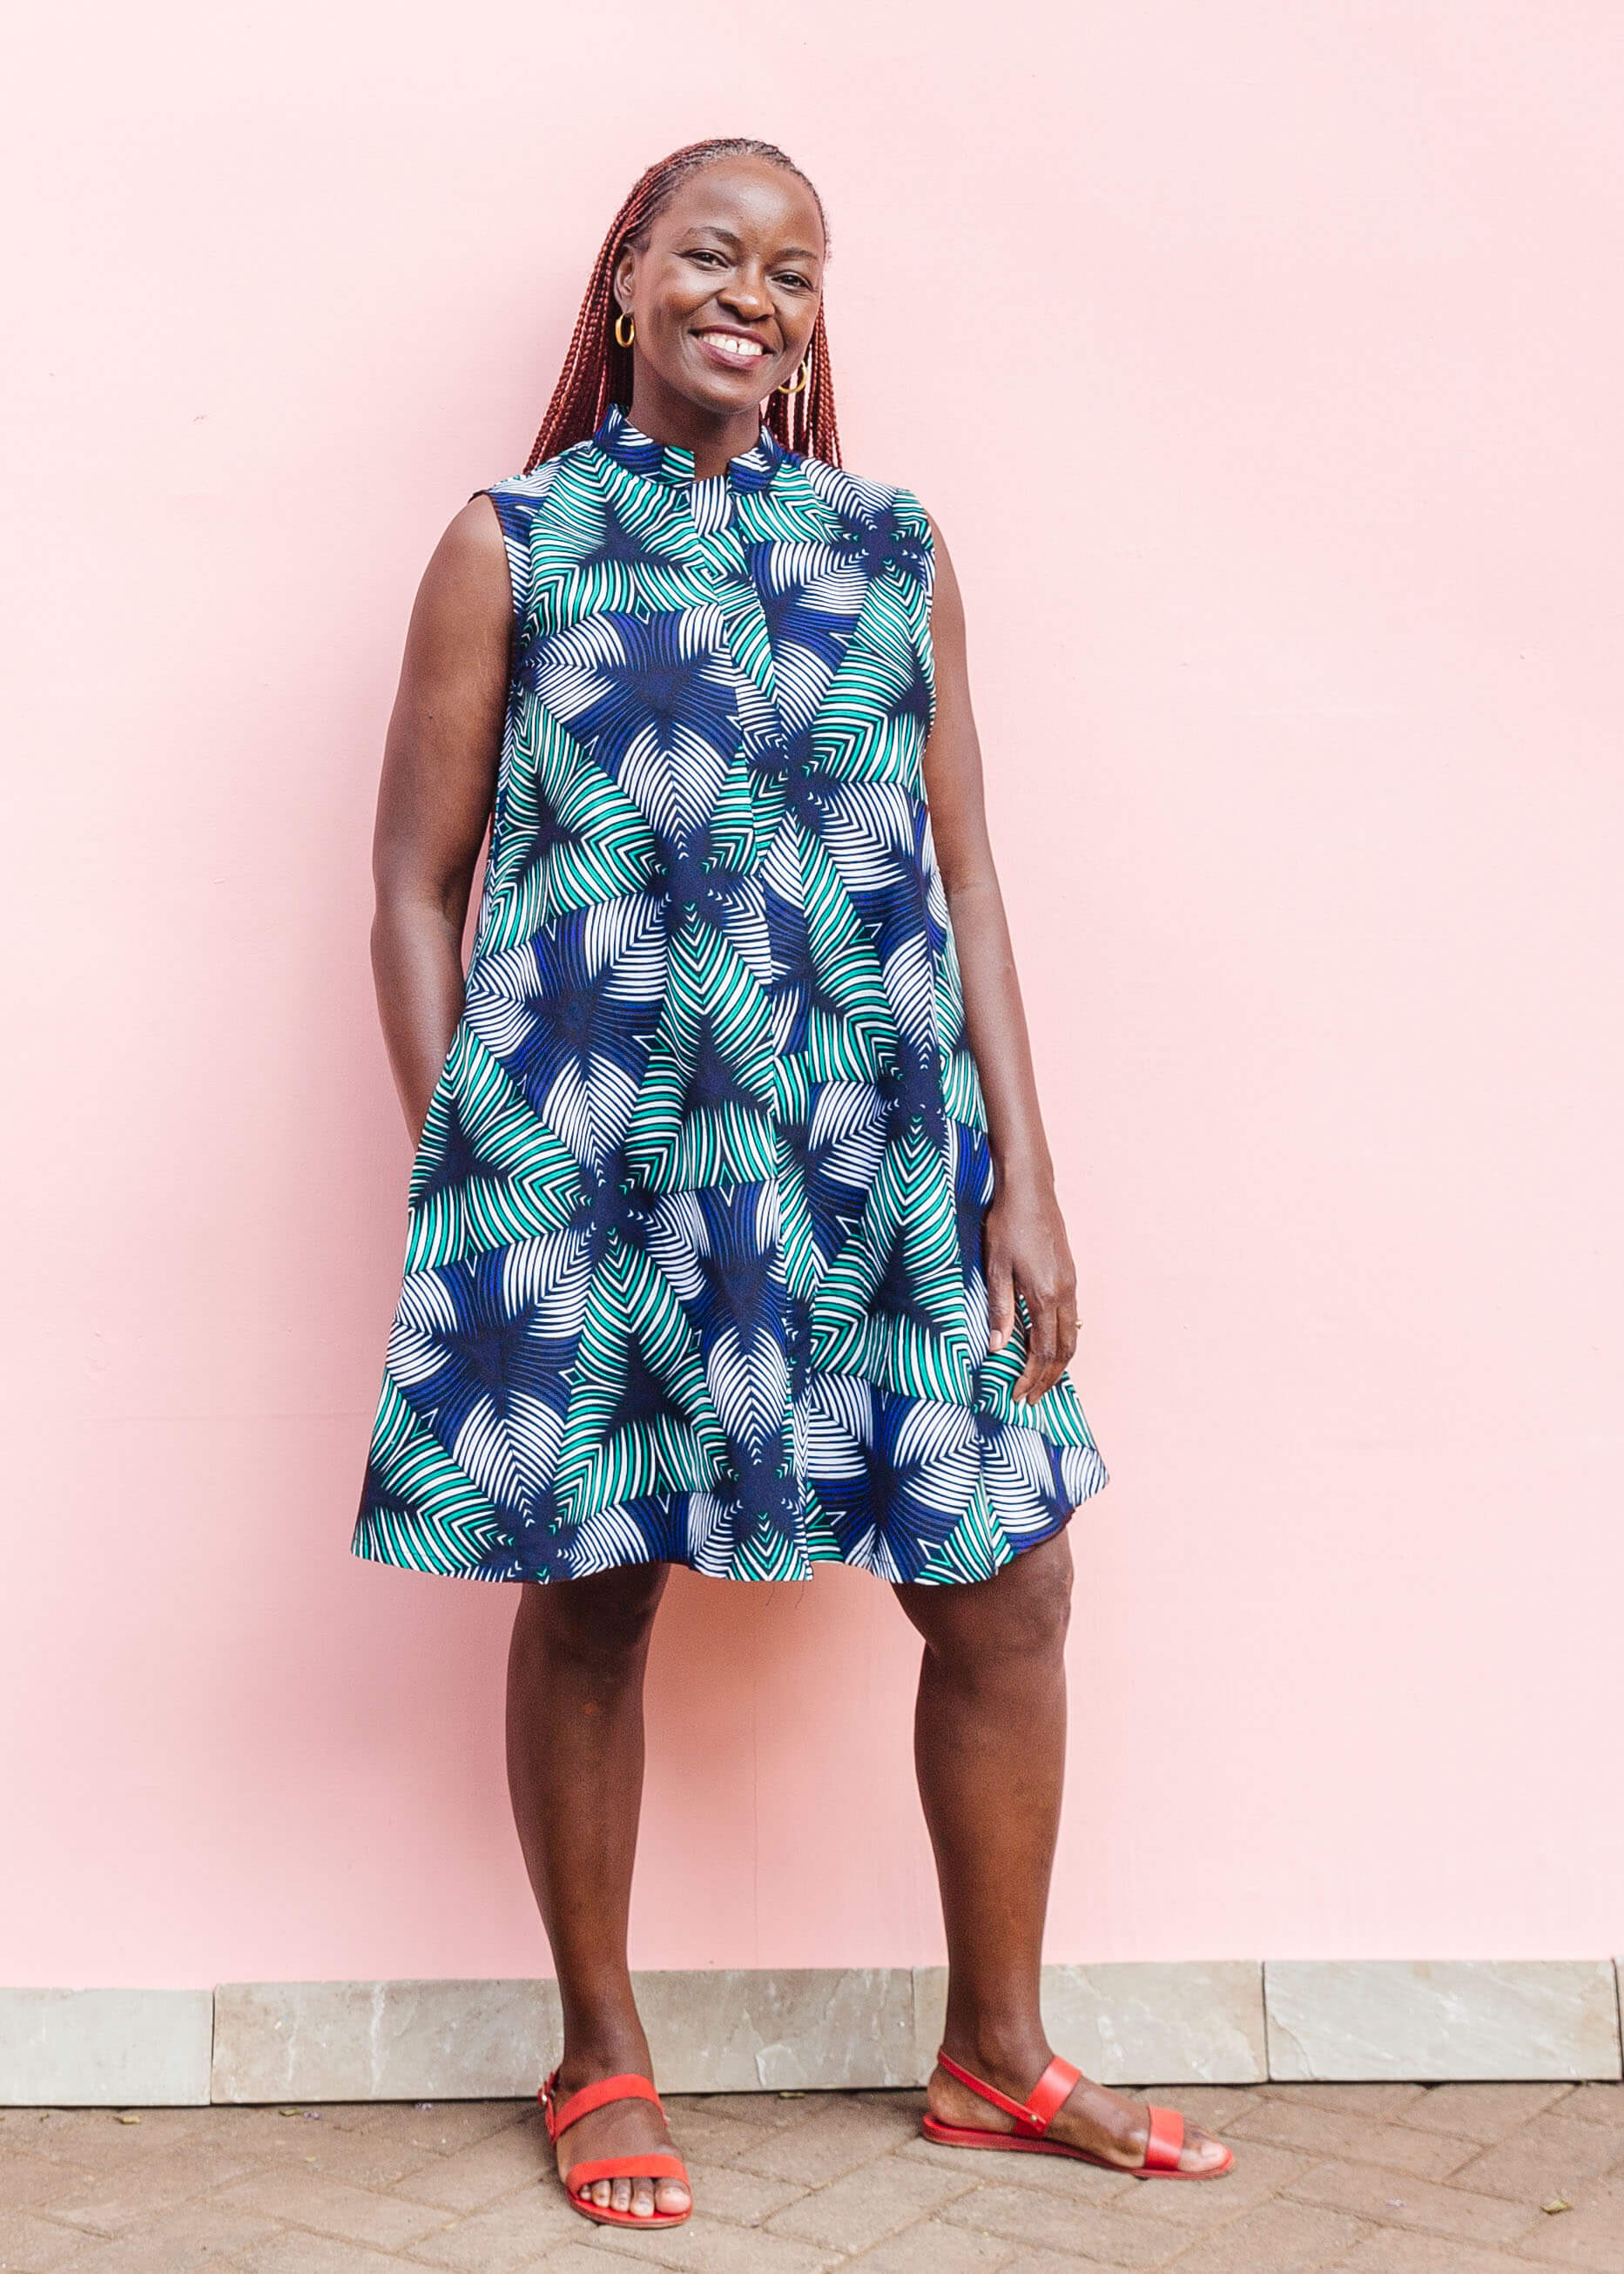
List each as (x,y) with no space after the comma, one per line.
(801,380)
(631,329)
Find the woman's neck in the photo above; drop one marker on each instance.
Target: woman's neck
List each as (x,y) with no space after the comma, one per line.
(671,419)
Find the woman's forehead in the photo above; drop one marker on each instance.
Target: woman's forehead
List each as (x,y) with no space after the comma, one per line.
(747,197)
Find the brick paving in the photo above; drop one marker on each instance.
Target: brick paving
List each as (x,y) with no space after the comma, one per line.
(1354,2178)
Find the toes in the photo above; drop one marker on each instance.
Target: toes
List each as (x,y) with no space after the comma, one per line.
(598,2192)
(671,2196)
(621,2198)
(1201,2152)
(642,2198)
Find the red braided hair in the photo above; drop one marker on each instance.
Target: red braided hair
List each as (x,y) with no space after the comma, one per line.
(598,370)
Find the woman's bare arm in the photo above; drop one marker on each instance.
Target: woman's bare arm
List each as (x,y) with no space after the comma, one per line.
(434,800)
(1025,1245)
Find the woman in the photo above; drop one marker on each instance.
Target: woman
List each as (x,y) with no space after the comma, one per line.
(734,1238)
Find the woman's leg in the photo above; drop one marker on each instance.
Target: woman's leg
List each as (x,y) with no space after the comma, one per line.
(990,1746)
(575,1769)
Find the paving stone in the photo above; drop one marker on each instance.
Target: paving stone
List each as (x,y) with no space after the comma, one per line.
(1212,2107)
(1279,2237)
(1024,2215)
(291,2253)
(1589,2236)
(707,2246)
(379,2160)
(95,2139)
(871,2203)
(1394,2199)
(747,2198)
(1553,2156)
(1487,2112)
(32,2246)
(202,2235)
(453,2124)
(303,2197)
(1044,2261)
(699,2133)
(1256,2176)
(833,2140)
(569,2258)
(1057,2175)
(111,2202)
(1391,2250)
(1363,2100)
(28,2182)
(504,2236)
(1351,2138)
(929,2247)
(1596,2104)
(514,2157)
(768,2112)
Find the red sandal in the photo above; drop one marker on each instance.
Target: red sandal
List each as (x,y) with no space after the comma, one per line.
(1035,2114)
(612,2167)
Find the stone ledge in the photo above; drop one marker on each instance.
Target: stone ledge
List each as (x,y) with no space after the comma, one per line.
(105,2048)
(1449,2021)
(831,2028)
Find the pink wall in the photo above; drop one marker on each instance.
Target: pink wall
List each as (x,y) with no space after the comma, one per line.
(1280,347)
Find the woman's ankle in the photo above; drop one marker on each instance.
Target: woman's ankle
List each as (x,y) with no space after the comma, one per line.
(1006,2050)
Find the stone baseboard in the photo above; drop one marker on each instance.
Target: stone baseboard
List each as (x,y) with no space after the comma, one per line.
(784,2029)
(1449,2021)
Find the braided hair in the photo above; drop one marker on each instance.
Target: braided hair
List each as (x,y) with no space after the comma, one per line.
(598,370)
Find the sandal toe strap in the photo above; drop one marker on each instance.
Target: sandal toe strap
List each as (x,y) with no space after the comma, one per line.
(1166,2140)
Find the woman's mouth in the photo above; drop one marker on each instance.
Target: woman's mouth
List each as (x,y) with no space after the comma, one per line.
(734,350)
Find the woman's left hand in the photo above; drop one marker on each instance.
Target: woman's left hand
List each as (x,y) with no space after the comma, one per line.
(1024,1251)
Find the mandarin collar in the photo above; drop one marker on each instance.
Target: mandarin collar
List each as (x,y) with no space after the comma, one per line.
(667,462)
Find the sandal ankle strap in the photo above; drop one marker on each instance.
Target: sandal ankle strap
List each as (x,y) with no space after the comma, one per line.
(1038,2111)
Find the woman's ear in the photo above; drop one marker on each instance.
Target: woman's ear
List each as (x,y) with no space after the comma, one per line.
(625,274)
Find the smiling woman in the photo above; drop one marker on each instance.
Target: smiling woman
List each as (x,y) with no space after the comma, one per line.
(733,1238)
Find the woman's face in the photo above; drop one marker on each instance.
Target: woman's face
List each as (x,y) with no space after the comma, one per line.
(726,292)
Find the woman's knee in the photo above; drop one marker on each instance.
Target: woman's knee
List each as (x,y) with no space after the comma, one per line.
(1018,1618)
(1035,1614)
(604,1621)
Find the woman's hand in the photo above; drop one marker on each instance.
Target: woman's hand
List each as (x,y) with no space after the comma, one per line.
(1025,1252)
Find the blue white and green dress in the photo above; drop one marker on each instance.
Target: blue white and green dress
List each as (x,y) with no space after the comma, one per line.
(693,1258)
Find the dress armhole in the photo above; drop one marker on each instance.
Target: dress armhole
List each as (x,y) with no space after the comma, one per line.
(515,516)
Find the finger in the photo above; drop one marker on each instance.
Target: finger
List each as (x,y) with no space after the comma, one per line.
(1040,1328)
(1000,1298)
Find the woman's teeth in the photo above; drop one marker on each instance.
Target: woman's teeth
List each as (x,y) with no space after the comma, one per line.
(729,344)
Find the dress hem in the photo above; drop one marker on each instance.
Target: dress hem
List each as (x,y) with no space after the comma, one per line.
(365,1551)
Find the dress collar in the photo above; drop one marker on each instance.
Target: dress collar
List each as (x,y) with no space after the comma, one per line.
(666,461)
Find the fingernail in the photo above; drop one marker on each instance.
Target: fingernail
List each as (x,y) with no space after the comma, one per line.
(996,1341)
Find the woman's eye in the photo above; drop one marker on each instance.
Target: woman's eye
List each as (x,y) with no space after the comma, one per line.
(799,283)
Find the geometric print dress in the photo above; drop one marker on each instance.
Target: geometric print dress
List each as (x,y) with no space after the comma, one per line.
(693,1255)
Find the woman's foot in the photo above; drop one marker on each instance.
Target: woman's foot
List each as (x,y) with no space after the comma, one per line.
(1093,2118)
(624,2128)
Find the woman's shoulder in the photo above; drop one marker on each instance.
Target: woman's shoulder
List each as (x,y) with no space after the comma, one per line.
(863,505)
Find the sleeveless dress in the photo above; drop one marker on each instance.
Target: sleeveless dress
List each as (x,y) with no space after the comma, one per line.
(694,1259)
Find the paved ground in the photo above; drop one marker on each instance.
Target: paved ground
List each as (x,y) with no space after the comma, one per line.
(1360,2179)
